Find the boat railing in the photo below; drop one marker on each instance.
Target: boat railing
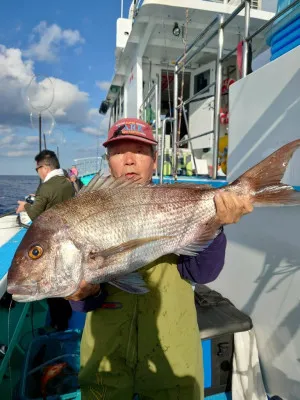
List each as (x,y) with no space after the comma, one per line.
(215,28)
(89,165)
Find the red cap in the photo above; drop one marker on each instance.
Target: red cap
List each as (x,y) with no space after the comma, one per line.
(130,129)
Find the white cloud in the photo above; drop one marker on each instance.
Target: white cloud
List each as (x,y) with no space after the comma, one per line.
(32,139)
(69,106)
(46,41)
(90,130)
(93,112)
(16,146)
(6,140)
(102,126)
(103,85)
(20,153)
(5,130)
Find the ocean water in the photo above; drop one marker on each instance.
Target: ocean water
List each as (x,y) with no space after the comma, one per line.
(14,188)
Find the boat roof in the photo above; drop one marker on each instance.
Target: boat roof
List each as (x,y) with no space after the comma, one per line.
(151,34)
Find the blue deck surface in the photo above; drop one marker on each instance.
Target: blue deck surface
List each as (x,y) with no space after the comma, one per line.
(7,251)
(192,179)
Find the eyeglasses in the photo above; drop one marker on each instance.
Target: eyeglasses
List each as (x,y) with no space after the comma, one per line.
(40,166)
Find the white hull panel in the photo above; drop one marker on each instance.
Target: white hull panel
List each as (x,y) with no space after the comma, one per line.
(262,271)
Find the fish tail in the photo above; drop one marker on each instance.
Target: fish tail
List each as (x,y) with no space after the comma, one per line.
(264,179)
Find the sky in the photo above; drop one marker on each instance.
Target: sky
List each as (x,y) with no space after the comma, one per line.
(58,54)
(56,58)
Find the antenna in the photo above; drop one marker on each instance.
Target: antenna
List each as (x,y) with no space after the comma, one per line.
(122,6)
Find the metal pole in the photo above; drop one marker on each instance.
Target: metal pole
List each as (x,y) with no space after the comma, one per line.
(175,115)
(122,8)
(162,148)
(246,43)
(200,36)
(40,132)
(218,99)
(45,146)
(189,138)
(156,114)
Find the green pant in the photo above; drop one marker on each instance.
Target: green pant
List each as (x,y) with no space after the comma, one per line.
(151,346)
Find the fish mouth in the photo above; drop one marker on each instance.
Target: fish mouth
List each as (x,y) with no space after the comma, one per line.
(21,290)
(23,298)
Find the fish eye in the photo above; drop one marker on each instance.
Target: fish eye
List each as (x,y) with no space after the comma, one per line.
(35,252)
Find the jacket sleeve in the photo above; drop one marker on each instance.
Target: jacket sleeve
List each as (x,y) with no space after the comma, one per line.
(207,265)
(39,205)
(90,303)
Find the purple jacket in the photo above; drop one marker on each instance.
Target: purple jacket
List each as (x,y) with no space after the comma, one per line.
(203,268)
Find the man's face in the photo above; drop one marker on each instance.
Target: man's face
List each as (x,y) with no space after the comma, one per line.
(131,159)
(42,170)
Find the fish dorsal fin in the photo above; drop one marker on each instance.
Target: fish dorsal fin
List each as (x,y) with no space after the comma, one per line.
(97,178)
(100,182)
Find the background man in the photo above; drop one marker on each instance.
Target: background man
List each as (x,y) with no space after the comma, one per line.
(54,189)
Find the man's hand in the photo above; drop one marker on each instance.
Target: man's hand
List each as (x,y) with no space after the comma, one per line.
(230,207)
(20,206)
(85,290)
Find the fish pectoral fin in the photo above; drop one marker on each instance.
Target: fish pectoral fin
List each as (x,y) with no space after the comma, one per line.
(193,249)
(127,246)
(207,236)
(131,283)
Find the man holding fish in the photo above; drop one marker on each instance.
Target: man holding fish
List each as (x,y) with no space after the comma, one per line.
(151,344)
(134,247)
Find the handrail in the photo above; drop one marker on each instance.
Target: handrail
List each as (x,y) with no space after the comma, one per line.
(270,22)
(247,5)
(218,89)
(200,36)
(157,111)
(182,141)
(187,101)
(218,81)
(228,55)
(234,14)
(152,92)
(189,55)
(162,147)
(199,49)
